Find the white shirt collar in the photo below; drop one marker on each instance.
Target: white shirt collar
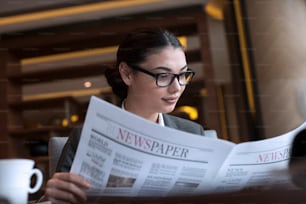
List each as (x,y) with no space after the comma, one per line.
(160,118)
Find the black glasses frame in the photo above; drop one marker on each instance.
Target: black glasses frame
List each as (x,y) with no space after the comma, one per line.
(156,76)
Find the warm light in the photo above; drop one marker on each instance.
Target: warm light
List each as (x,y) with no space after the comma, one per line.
(68,55)
(203,92)
(74,118)
(65,123)
(70,93)
(214,9)
(183,41)
(70,11)
(191,111)
(87,84)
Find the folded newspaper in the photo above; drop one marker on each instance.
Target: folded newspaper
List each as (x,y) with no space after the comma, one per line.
(122,154)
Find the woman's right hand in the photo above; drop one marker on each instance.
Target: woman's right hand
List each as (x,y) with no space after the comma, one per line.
(66,187)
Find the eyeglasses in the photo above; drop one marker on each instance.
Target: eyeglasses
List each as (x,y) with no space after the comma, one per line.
(166,79)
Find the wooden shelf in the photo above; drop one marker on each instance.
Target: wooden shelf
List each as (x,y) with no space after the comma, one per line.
(40,131)
(75,72)
(44,103)
(100,32)
(40,76)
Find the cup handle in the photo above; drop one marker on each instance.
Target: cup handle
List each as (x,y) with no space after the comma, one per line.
(39,180)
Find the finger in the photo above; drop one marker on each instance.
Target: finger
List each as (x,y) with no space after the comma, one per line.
(73,178)
(59,196)
(64,190)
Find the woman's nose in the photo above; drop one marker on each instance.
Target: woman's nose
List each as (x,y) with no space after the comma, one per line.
(175,85)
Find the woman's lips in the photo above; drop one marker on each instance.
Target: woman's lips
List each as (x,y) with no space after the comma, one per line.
(170,100)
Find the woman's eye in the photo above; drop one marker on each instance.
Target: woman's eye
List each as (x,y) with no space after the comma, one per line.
(164,76)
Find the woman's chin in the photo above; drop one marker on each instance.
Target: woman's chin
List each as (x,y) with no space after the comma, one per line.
(168,109)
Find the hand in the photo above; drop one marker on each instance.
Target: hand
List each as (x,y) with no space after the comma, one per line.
(66,188)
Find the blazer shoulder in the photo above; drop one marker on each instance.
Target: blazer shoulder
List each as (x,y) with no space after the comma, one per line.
(187,126)
(182,124)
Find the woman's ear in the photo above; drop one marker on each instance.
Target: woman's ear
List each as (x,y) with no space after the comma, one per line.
(126,73)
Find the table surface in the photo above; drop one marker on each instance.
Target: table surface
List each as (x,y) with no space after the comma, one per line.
(282,196)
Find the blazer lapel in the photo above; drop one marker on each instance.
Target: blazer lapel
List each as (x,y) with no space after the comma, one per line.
(168,122)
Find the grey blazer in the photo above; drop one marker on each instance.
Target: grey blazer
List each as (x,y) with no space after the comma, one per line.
(70,148)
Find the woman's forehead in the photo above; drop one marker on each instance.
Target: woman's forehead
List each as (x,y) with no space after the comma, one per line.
(170,57)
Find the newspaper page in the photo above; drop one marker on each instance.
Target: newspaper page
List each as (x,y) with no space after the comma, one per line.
(259,164)
(122,154)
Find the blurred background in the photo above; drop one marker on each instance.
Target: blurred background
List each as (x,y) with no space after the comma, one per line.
(249,58)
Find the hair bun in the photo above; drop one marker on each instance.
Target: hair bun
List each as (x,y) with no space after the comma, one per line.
(113,78)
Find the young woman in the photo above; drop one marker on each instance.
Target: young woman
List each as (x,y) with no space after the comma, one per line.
(151,74)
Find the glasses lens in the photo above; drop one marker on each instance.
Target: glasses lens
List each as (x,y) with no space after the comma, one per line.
(185,77)
(164,79)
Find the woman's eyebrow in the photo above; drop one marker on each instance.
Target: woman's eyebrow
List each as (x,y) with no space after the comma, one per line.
(184,67)
(168,69)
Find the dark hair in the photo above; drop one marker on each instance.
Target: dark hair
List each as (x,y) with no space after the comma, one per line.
(134,49)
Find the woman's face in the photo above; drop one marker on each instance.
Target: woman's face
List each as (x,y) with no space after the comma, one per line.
(144,95)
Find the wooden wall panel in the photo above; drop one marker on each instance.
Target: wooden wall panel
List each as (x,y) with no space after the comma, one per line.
(277,31)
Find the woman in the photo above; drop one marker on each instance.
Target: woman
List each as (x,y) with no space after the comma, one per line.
(150,76)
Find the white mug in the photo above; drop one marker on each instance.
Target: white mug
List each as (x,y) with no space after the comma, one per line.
(15,180)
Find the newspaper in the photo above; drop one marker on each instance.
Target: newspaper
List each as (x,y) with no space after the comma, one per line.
(122,154)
